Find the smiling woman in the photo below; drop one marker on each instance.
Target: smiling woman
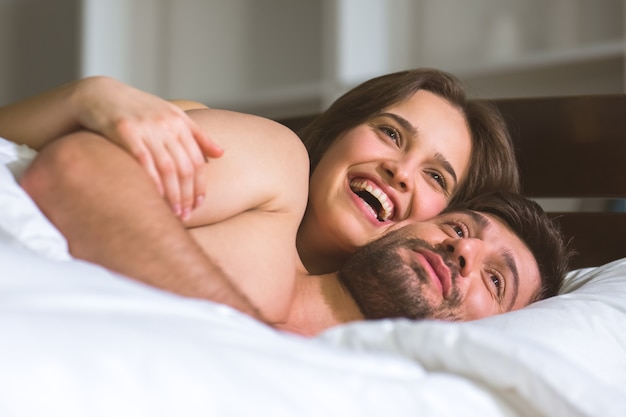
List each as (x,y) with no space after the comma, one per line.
(412,136)
(406,154)
(381,158)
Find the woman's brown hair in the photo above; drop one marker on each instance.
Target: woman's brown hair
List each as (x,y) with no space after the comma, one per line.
(492,163)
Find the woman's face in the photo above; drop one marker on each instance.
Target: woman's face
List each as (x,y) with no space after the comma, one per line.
(403,164)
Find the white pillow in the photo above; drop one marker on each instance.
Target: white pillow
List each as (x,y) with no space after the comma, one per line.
(571,347)
(15,157)
(21,219)
(585,323)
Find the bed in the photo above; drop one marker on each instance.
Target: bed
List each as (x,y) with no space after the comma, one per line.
(78,340)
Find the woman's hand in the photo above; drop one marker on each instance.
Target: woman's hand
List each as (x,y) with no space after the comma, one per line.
(159,135)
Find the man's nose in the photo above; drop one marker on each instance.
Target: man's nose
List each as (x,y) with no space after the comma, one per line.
(467,253)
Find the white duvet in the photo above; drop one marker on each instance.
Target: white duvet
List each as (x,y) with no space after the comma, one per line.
(78,340)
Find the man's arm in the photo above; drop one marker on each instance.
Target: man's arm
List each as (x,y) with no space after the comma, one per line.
(133,233)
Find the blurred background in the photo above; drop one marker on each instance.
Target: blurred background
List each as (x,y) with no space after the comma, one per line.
(280,58)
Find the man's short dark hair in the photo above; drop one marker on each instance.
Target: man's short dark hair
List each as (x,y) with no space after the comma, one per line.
(532,225)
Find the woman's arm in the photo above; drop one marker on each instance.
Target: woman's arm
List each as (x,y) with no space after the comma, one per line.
(165,141)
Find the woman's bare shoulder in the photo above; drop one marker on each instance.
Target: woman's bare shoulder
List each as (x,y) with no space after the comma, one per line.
(229,127)
(264,160)
(258,143)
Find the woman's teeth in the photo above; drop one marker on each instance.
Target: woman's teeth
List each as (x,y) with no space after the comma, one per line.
(374,197)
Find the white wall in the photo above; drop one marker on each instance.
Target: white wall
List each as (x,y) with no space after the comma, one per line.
(221,52)
(38,46)
(285,57)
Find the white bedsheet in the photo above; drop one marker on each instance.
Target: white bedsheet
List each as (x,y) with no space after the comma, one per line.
(77,340)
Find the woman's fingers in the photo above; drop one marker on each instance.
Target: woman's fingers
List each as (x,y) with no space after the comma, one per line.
(144,157)
(160,135)
(173,152)
(199,149)
(185,166)
(208,148)
(200,188)
(177,167)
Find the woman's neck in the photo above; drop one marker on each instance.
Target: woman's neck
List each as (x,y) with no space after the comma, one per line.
(318,255)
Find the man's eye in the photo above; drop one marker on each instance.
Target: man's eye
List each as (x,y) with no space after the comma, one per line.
(458,230)
(496,281)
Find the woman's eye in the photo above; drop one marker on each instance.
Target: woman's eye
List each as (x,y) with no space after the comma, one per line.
(440,179)
(391,133)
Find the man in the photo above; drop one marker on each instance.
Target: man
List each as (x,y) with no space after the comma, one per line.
(470,264)
(467,263)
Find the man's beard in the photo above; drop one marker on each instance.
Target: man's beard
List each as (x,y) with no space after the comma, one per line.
(384,286)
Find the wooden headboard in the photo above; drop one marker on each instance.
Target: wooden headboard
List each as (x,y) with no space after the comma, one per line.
(574,148)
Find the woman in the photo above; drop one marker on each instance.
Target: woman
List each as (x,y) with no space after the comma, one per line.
(452,135)
(491,165)
(331,231)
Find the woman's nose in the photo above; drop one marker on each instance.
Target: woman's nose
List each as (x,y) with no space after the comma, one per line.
(399,174)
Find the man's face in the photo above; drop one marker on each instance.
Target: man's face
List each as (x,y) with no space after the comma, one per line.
(458,266)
